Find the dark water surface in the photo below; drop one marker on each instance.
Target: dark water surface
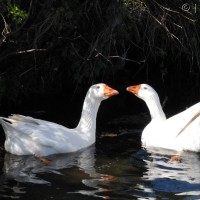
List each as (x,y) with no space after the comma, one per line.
(115,168)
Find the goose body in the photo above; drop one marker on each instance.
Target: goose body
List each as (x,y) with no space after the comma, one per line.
(180,132)
(26,135)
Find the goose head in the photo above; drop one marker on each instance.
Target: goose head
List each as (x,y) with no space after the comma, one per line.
(143,91)
(102,91)
(151,98)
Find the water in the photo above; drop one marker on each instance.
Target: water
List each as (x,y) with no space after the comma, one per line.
(115,168)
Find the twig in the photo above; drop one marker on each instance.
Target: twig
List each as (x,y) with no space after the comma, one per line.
(29,51)
(99,53)
(177,12)
(82,58)
(26,72)
(126,59)
(21,52)
(165,27)
(5,30)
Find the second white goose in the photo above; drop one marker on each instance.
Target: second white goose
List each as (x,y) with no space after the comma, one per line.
(180,132)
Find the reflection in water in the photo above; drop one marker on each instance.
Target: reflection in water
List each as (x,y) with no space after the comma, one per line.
(28,169)
(170,179)
(104,172)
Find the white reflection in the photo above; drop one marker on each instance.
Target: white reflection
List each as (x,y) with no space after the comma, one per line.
(29,169)
(164,176)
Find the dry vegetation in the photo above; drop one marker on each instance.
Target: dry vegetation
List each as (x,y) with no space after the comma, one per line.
(65,44)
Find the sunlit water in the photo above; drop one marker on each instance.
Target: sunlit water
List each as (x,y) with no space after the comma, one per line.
(114,168)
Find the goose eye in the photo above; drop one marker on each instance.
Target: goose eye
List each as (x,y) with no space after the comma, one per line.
(145,88)
(98,87)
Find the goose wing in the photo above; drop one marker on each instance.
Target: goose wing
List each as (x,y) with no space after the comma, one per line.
(26,135)
(183,120)
(41,131)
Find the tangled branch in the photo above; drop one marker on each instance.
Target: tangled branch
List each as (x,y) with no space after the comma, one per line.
(5,30)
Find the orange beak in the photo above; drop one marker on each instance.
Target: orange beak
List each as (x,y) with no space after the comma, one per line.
(134,89)
(109,92)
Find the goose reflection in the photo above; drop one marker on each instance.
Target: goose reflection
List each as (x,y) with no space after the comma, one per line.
(162,177)
(79,166)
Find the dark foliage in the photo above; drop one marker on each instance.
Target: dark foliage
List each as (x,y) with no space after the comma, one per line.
(68,45)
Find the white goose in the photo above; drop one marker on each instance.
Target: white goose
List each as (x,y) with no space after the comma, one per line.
(180,132)
(26,135)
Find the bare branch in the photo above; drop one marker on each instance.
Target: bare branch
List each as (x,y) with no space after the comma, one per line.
(164,26)
(130,60)
(21,52)
(5,30)
(29,51)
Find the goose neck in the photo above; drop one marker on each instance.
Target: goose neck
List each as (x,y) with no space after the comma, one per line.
(87,124)
(155,109)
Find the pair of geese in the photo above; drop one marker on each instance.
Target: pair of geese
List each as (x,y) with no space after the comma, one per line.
(27,135)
